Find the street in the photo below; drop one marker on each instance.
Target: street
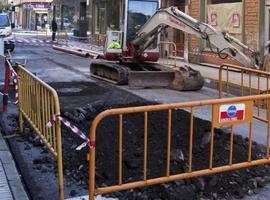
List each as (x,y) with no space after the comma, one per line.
(69,75)
(134,99)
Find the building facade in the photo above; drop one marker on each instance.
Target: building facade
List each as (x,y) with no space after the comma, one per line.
(32,14)
(247,20)
(244,19)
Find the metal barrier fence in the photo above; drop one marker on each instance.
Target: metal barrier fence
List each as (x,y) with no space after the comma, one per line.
(214,108)
(62,36)
(167,53)
(38,103)
(252,82)
(42,33)
(97,39)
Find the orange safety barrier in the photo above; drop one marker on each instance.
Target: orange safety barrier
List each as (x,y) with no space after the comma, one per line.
(252,81)
(215,117)
(242,81)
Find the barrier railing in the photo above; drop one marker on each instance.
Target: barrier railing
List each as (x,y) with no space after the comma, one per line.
(38,103)
(240,112)
(42,33)
(167,53)
(249,81)
(241,81)
(62,36)
(97,39)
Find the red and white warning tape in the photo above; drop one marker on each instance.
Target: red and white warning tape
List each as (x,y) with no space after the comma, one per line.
(14,75)
(74,129)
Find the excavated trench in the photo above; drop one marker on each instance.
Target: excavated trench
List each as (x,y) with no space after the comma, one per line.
(235,183)
(82,101)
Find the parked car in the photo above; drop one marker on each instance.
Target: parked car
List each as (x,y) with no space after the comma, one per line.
(6,32)
(66,22)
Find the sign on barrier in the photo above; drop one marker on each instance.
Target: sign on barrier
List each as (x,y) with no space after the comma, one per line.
(231,114)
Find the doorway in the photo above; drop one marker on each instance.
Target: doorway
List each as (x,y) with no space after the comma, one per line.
(83,22)
(179,36)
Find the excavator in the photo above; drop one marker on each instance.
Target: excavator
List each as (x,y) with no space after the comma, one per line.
(135,62)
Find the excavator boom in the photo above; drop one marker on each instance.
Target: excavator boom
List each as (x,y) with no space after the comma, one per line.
(172,17)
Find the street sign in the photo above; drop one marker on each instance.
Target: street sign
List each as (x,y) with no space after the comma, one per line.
(229,114)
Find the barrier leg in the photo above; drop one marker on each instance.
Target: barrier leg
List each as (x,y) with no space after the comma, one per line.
(92,174)
(59,162)
(5,96)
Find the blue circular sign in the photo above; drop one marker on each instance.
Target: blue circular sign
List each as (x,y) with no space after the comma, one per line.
(231,112)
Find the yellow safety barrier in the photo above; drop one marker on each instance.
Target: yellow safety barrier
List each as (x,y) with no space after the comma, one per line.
(38,103)
(167,53)
(214,106)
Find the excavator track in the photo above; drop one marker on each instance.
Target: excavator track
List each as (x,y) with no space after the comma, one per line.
(147,75)
(109,71)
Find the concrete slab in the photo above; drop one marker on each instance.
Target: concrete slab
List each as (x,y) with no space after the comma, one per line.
(5,192)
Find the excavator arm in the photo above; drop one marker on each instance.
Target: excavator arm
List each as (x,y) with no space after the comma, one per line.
(172,17)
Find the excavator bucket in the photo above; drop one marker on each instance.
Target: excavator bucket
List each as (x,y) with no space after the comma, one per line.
(187,79)
(148,79)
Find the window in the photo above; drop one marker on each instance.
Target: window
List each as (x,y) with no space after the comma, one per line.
(113,14)
(138,13)
(4,21)
(226,15)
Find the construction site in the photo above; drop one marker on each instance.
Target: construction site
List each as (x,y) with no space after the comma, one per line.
(134,114)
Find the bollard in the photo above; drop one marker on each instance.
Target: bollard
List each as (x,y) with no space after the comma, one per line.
(2,46)
(5,96)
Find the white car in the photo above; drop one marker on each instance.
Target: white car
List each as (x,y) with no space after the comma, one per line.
(6,32)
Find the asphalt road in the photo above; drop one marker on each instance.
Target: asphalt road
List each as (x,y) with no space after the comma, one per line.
(51,65)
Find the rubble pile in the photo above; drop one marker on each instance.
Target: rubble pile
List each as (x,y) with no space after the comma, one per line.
(236,183)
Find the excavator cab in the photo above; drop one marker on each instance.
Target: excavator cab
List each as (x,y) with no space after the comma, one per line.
(113,45)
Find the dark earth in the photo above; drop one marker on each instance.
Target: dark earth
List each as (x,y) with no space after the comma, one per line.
(82,101)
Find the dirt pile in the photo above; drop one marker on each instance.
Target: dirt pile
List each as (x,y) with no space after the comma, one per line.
(83,101)
(236,183)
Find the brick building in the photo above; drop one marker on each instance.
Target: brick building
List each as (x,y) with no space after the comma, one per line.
(247,20)
(252,27)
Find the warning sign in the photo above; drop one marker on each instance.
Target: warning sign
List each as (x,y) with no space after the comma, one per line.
(234,112)
(229,114)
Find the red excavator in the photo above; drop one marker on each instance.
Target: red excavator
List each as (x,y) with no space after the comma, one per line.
(135,62)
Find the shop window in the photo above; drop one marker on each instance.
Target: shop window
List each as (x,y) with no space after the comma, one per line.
(100,17)
(113,14)
(70,20)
